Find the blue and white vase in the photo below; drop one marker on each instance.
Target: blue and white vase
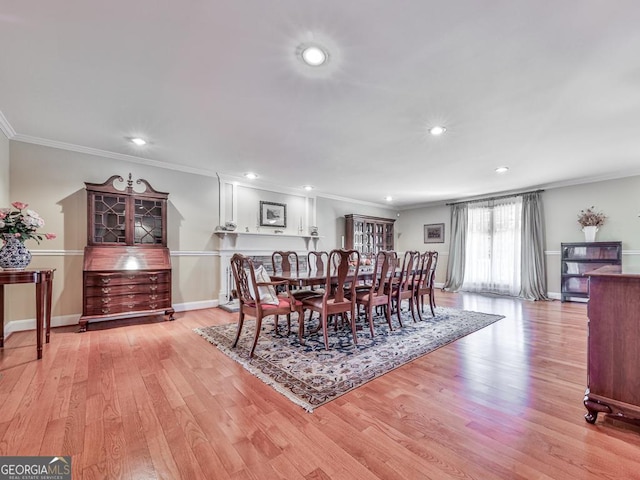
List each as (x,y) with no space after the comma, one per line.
(13,254)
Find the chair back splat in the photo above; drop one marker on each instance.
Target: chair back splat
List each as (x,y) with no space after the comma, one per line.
(285,261)
(317,261)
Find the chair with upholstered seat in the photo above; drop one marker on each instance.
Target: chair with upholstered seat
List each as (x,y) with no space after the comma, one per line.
(425,282)
(339,293)
(288,261)
(258,297)
(402,288)
(376,293)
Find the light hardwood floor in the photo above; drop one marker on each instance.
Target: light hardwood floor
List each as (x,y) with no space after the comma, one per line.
(155,400)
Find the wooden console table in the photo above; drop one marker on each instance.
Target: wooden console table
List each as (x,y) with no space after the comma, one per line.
(43,280)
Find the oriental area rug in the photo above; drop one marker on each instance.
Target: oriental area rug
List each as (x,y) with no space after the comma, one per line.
(311,376)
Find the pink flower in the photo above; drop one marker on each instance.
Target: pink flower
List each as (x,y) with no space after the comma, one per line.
(50,236)
(20,205)
(3,214)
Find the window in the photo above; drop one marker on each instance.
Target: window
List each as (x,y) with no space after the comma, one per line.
(492,262)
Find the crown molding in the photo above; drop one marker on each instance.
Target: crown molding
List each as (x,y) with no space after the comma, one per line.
(359,202)
(6,127)
(259,185)
(107,154)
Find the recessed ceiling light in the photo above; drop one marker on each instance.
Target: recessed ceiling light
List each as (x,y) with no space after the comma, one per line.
(502,169)
(251,175)
(388,198)
(313,55)
(308,187)
(437,130)
(139,141)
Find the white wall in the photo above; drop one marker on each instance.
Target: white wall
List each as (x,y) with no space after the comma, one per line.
(51,181)
(5,198)
(410,234)
(618,199)
(331,222)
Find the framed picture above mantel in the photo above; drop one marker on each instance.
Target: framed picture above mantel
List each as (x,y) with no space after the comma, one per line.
(273,214)
(434,233)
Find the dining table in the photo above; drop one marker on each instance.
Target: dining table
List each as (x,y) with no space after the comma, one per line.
(310,278)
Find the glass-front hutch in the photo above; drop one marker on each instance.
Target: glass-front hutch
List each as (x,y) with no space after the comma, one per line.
(127,267)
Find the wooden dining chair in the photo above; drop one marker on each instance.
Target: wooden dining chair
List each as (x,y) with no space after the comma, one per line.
(424,285)
(401,289)
(288,261)
(377,292)
(258,297)
(339,293)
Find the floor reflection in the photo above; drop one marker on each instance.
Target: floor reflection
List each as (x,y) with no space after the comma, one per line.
(494,362)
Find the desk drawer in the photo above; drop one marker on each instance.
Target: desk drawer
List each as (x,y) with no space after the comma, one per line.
(112,304)
(111,279)
(140,288)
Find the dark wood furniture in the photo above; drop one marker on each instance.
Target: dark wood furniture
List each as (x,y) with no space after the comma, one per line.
(376,292)
(613,352)
(369,235)
(248,290)
(127,266)
(425,281)
(580,258)
(402,286)
(43,280)
(339,295)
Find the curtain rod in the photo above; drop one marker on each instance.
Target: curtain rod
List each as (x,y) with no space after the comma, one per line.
(494,198)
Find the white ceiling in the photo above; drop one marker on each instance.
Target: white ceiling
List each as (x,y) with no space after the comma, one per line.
(549,88)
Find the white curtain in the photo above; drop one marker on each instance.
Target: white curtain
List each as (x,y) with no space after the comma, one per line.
(493,244)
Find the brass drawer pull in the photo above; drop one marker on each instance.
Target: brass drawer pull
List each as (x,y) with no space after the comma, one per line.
(153,287)
(106,289)
(105,300)
(153,305)
(105,310)
(105,280)
(153,297)
(153,278)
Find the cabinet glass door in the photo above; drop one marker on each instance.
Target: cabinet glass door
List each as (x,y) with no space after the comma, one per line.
(109,224)
(147,222)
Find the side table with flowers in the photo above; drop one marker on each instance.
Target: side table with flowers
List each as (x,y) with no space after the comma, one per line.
(591,220)
(17,225)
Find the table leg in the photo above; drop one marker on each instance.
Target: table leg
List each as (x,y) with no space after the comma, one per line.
(49,287)
(1,315)
(39,315)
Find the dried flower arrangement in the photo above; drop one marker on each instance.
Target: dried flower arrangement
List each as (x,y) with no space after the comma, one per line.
(591,218)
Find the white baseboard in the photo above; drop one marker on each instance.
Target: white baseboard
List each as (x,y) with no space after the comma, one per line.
(66,320)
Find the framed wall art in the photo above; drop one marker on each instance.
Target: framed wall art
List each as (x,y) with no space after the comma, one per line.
(273,214)
(434,233)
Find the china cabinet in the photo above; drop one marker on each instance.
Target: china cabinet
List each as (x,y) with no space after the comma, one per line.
(127,267)
(368,234)
(580,258)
